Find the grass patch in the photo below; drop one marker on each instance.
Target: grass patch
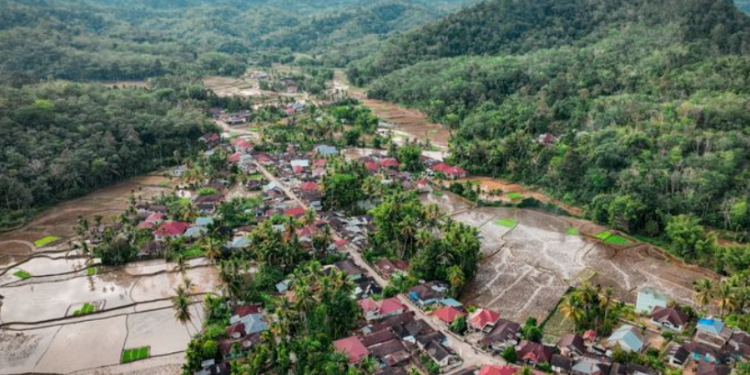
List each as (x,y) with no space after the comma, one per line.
(164,184)
(556,326)
(21,274)
(438,193)
(256,176)
(45,241)
(508,223)
(573,231)
(514,196)
(611,239)
(135,354)
(87,308)
(91,271)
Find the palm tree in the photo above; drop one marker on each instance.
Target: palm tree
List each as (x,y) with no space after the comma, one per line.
(571,308)
(703,292)
(456,279)
(605,300)
(212,248)
(725,294)
(181,304)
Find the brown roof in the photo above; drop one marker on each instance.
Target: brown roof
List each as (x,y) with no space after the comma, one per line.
(673,315)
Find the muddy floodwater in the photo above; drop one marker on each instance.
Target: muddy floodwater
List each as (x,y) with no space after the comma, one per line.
(530,260)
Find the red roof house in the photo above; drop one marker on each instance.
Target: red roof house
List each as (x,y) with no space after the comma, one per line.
(295,211)
(389,163)
(320,163)
(155,217)
(309,186)
(448,314)
(449,171)
(381,309)
(497,370)
(146,225)
(534,353)
(352,347)
(483,320)
(171,229)
(235,158)
(371,166)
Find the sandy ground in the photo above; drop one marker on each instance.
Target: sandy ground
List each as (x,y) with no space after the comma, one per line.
(528,268)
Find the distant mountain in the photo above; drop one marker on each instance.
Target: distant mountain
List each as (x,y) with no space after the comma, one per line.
(118,39)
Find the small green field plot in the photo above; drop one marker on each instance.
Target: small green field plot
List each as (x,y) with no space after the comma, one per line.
(433,131)
(438,193)
(514,196)
(21,274)
(87,308)
(164,184)
(45,241)
(573,232)
(508,223)
(136,354)
(91,271)
(256,176)
(611,239)
(557,326)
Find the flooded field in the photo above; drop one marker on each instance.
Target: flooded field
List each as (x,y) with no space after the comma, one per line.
(530,261)
(38,332)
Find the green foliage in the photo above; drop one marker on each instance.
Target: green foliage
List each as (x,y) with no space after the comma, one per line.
(21,274)
(135,354)
(459,325)
(510,355)
(93,137)
(689,238)
(591,308)
(45,241)
(409,155)
(531,331)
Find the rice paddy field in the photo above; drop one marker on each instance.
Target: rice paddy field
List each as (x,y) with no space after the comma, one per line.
(530,261)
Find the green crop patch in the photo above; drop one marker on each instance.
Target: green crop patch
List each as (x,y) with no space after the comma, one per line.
(91,271)
(87,308)
(21,274)
(612,239)
(508,223)
(514,196)
(135,354)
(45,241)
(573,232)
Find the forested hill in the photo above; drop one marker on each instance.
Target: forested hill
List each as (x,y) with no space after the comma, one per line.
(637,110)
(518,26)
(122,40)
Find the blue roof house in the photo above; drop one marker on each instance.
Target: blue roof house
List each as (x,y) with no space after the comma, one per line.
(628,337)
(648,298)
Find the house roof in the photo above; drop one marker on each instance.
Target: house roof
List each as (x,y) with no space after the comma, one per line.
(711,325)
(673,315)
(562,362)
(246,310)
(326,150)
(572,341)
(497,370)
(172,228)
(503,331)
(590,366)
(712,369)
(367,304)
(349,267)
(377,338)
(532,351)
(309,186)
(390,305)
(295,211)
(352,347)
(482,317)
(590,335)
(447,169)
(146,225)
(389,162)
(448,314)
(437,351)
(627,337)
(157,216)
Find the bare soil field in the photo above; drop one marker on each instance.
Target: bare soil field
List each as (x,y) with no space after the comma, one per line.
(528,267)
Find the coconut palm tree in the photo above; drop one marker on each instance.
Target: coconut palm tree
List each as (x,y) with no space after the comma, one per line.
(181,304)
(703,292)
(571,308)
(724,295)
(212,248)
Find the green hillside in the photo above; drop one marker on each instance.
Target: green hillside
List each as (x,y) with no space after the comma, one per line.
(123,40)
(650,101)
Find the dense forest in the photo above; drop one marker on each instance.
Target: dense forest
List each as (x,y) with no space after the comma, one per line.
(125,40)
(637,110)
(64,139)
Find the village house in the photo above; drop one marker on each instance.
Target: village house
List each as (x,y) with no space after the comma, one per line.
(497,370)
(628,338)
(505,334)
(448,314)
(712,369)
(533,353)
(712,332)
(571,345)
(483,320)
(739,346)
(448,171)
(443,356)
(561,364)
(650,298)
(428,293)
(352,347)
(670,318)
(375,310)
(171,230)
(351,269)
(591,365)
(387,267)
